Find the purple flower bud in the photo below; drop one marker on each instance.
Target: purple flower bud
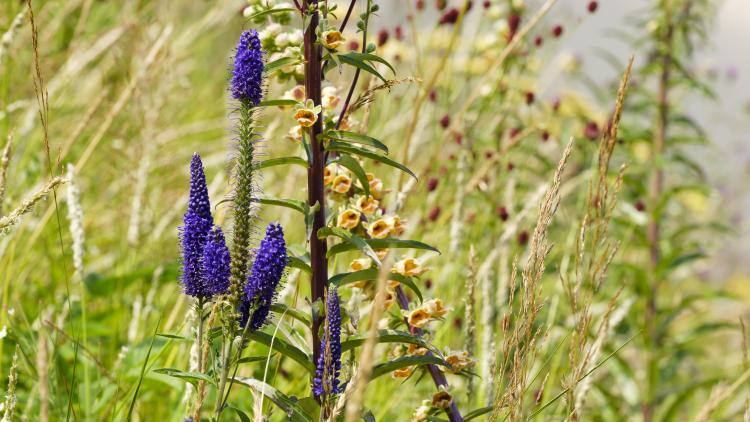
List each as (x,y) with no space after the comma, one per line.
(215,262)
(326,380)
(247,75)
(198,202)
(265,275)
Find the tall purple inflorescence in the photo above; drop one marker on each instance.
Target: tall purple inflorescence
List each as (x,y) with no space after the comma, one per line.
(247,74)
(264,278)
(326,380)
(197,223)
(215,262)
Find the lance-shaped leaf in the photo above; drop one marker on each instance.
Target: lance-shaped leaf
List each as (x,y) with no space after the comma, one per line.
(283,347)
(294,412)
(383,244)
(356,138)
(363,152)
(370,58)
(358,62)
(350,239)
(297,262)
(277,103)
(372,274)
(384,336)
(281,161)
(287,203)
(279,64)
(191,377)
(272,11)
(403,362)
(281,308)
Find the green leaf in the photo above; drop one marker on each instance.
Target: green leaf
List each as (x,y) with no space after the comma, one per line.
(355,150)
(477,413)
(251,359)
(281,161)
(296,262)
(361,64)
(277,65)
(191,377)
(294,412)
(281,308)
(282,346)
(357,138)
(372,274)
(383,244)
(288,203)
(370,58)
(353,165)
(403,362)
(240,414)
(384,336)
(271,12)
(277,103)
(350,239)
(174,336)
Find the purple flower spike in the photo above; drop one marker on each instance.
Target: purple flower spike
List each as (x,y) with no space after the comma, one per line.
(265,275)
(247,74)
(197,223)
(215,262)
(326,380)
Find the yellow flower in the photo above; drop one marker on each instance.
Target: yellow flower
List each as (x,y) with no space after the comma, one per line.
(360,264)
(390,298)
(329,98)
(415,350)
(306,117)
(367,204)
(418,318)
(342,183)
(348,219)
(403,372)
(332,39)
(297,93)
(295,133)
(459,361)
(376,185)
(408,267)
(421,413)
(379,229)
(329,172)
(398,225)
(442,399)
(381,253)
(435,308)
(393,284)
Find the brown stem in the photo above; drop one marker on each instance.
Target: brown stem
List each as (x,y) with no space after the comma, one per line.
(315,189)
(437,375)
(653,229)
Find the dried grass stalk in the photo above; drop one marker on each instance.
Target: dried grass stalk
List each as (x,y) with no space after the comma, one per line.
(7,222)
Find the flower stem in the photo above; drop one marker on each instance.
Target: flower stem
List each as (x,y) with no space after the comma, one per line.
(315,187)
(454,415)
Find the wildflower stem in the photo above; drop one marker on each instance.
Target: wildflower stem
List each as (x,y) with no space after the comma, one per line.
(315,187)
(454,415)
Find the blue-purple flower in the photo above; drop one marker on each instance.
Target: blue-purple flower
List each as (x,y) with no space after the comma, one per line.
(215,262)
(326,380)
(247,74)
(265,276)
(197,223)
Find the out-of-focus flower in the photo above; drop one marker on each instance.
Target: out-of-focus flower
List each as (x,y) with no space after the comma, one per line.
(342,183)
(379,229)
(409,267)
(435,308)
(332,39)
(403,372)
(418,318)
(348,219)
(416,350)
(397,225)
(360,264)
(329,97)
(442,399)
(376,185)
(367,204)
(297,94)
(421,413)
(459,360)
(295,133)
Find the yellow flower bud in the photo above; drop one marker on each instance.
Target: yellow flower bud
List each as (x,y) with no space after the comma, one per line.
(367,204)
(442,399)
(408,267)
(360,264)
(379,229)
(418,318)
(435,308)
(403,372)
